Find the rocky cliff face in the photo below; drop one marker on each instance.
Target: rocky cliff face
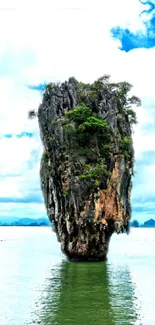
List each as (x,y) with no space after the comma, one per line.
(87,164)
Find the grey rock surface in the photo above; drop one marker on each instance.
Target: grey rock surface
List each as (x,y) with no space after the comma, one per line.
(85,212)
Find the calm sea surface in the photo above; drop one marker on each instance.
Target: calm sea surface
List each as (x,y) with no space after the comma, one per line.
(38,286)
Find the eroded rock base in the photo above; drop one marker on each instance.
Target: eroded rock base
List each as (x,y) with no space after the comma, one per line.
(94,251)
(87,259)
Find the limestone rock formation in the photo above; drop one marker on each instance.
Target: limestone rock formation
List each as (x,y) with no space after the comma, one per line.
(87,164)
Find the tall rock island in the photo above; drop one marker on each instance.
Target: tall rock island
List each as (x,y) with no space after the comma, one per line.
(87,164)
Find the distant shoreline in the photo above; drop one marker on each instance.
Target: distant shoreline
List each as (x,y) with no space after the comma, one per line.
(147,224)
(24,225)
(24,222)
(44,222)
(49,225)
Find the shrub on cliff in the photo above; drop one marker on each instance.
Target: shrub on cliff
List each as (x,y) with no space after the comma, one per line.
(88,136)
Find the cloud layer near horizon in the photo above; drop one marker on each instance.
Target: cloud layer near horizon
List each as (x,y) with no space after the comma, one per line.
(52,41)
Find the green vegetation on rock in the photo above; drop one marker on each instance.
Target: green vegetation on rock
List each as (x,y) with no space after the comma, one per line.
(88,136)
(126,146)
(98,173)
(91,93)
(79,114)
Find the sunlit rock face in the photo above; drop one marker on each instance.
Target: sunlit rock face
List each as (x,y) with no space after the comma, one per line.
(87,164)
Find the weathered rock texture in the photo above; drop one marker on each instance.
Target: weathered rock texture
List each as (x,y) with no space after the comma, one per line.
(86,169)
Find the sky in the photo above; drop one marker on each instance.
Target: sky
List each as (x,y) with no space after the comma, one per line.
(52,40)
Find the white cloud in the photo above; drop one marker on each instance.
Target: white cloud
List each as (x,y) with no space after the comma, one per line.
(22,210)
(53,40)
(14,161)
(144,132)
(15,101)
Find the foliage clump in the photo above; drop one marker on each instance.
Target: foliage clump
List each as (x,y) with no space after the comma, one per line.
(97,173)
(50,90)
(120,92)
(126,146)
(32,114)
(131,116)
(93,125)
(88,135)
(79,114)
(85,123)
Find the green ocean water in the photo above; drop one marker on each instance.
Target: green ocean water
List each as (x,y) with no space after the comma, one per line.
(38,285)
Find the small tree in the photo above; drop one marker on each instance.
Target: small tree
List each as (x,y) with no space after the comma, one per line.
(32,114)
(135,224)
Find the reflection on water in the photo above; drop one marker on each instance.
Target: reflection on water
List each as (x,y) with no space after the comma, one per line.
(38,287)
(89,293)
(122,295)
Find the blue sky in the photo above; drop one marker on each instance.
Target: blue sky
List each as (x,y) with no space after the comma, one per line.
(133,40)
(62,38)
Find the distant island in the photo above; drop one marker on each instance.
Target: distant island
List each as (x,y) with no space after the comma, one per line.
(26,222)
(147,224)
